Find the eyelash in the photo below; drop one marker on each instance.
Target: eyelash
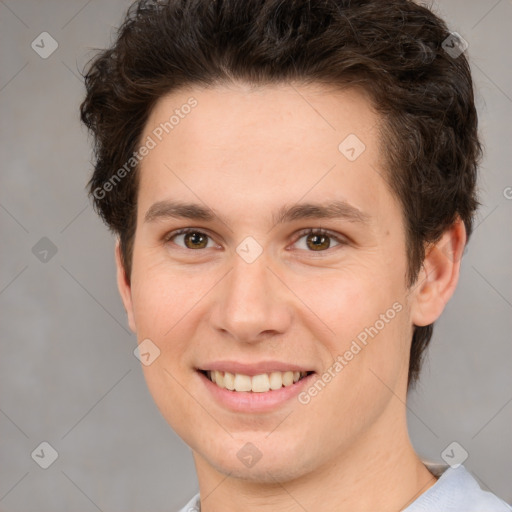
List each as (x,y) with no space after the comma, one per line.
(318,231)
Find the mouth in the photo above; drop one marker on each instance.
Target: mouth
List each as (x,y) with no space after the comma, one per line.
(262,383)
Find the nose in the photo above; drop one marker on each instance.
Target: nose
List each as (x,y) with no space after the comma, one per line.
(252,303)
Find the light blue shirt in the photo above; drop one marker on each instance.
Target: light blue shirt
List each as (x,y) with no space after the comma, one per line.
(455,491)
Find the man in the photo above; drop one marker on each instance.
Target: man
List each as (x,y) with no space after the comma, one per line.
(292,184)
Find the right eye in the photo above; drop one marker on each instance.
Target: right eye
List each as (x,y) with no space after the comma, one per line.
(192,238)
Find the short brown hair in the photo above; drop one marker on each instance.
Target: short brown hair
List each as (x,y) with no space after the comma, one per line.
(393,50)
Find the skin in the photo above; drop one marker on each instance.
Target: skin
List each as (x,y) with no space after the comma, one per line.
(245,153)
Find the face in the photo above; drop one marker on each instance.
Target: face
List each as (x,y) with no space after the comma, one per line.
(267,283)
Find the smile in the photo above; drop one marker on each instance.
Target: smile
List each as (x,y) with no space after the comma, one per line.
(257,383)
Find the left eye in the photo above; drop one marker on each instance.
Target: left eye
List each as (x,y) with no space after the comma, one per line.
(319,239)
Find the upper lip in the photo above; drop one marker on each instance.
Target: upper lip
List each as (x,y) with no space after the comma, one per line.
(253,368)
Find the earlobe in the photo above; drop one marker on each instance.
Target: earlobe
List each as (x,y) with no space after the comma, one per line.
(439,275)
(124,287)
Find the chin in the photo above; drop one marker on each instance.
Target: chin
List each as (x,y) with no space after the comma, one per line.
(273,466)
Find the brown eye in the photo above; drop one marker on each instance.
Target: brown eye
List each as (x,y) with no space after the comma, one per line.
(319,240)
(192,238)
(196,240)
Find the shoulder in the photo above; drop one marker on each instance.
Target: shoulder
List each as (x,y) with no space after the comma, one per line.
(456,491)
(194,505)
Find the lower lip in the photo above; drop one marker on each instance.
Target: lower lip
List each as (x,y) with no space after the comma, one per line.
(249,401)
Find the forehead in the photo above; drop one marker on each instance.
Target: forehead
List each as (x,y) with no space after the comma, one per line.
(272,143)
(225,114)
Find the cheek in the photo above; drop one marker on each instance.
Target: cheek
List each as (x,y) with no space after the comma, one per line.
(162,297)
(163,303)
(370,365)
(368,333)
(352,298)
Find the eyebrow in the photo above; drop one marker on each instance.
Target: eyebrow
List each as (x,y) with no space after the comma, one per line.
(332,210)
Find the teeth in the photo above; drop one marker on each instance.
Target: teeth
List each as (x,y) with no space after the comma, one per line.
(243,383)
(229,380)
(276,380)
(219,379)
(258,383)
(287,378)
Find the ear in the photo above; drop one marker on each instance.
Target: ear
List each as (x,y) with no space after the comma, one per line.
(124,287)
(439,275)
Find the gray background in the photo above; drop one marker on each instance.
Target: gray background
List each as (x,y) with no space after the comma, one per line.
(67,371)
